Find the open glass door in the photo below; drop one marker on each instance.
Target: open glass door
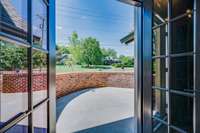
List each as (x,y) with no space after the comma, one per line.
(173,67)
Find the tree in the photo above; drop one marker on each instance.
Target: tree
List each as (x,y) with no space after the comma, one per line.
(39,60)
(85,51)
(91,52)
(12,57)
(75,48)
(109,53)
(62,53)
(74,39)
(126,61)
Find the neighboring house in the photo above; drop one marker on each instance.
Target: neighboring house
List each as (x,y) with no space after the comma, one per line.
(13,23)
(110,61)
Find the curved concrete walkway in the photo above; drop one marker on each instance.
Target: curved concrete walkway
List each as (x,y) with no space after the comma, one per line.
(102,110)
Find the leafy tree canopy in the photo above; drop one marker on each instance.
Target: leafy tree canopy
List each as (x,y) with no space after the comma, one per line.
(127,61)
(91,52)
(109,53)
(62,53)
(85,51)
(12,57)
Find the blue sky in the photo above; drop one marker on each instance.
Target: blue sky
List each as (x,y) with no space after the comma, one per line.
(106,20)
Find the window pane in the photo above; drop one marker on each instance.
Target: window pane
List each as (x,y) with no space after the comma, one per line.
(13,17)
(159,40)
(182,112)
(40,119)
(13,80)
(160,11)
(40,24)
(159,127)
(160,104)
(181,75)
(39,76)
(182,36)
(159,74)
(21,127)
(181,6)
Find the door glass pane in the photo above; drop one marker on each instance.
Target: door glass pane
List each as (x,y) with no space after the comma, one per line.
(13,17)
(159,74)
(182,36)
(182,112)
(21,127)
(176,131)
(159,40)
(160,104)
(40,119)
(181,75)
(181,6)
(160,11)
(13,80)
(39,24)
(39,76)
(159,127)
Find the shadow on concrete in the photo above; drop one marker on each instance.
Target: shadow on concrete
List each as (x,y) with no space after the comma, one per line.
(62,102)
(121,126)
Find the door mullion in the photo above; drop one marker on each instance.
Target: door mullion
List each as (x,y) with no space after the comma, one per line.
(168,44)
(30,38)
(196,32)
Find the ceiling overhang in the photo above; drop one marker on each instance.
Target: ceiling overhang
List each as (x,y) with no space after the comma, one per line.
(128,38)
(132,2)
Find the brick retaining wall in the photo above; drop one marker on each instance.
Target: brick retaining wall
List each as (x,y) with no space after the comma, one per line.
(71,82)
(12,82)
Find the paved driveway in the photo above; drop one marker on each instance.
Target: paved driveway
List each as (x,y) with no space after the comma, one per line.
(102,110)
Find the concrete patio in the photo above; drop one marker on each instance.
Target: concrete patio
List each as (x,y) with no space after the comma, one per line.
(99,110)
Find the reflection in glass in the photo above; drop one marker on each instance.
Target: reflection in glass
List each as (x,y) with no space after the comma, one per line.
(182,36)
(159,40)
(39,76)
(160,11)
(174,131)
(13,17)
(21,127)
(160,104)
(181,6)
(159,127)
(181,76)
(39,24)
(13,80)
(159,73)
(40,119)
(182,112)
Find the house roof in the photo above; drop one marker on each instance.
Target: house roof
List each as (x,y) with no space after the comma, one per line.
(11,21)
(128,38)
(11,16)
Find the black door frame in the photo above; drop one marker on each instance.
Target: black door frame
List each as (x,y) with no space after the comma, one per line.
(143,69)
(143,59)
(196,66)
(50,52)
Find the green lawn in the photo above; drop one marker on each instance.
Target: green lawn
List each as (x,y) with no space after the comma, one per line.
(78,68)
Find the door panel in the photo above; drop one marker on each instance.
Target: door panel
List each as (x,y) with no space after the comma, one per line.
(173,67)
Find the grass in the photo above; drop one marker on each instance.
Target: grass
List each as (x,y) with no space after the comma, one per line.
(78,68)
